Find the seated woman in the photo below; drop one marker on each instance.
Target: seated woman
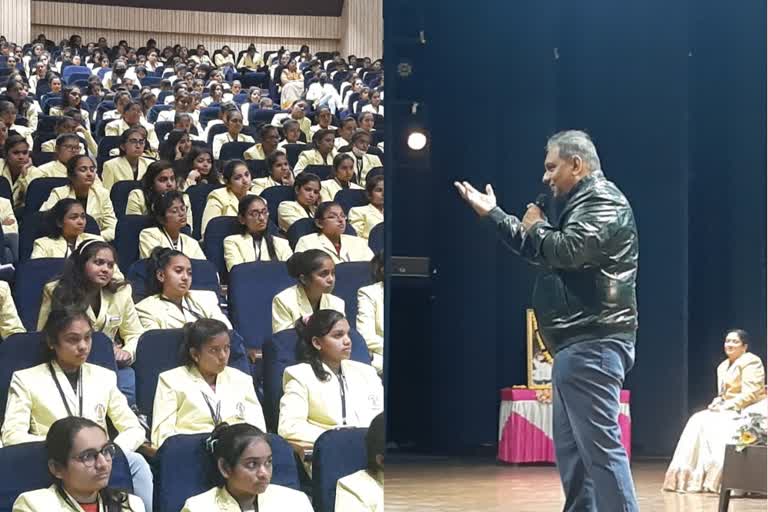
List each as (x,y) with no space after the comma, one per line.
(198,168)
(269,136)
(10,323)
(233,119)
(342,178)
(176,146)
(80,459)
(251,101)
(170,216)
(88,281)
(698,461)
(133,115)
(67,385)
(322,151)
(315,275)
(216,94)
(345,132)
(204,392)
(370,313)
(16,165)
(158,180)
(375,106)
(365,218)
(65,227)
(361,141)
(364,491)
(279,173)
(323,118)
(330,223)
(243,458)
(71,97)
(292,84)
(326,390)
(254,243)
(226,201)
(307,190)
(81,171)
(291,132)
(131,165)
(171,303)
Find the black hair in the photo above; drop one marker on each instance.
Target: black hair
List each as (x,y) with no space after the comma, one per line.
(168,147)
(162,203)
(359,133)
(377,267)
(318,325)
(271,159)
(65,92)
(304,178)
(73,285)
(267,128)
(189,162)
(305,262)
(54,218)
(62,120)
(372,182)
(228,442)
(242,211)
(322,209)
(375,442)
(197,334)
(159,258)
(59,319)
(229,168)
(741,333)
(72,164)
(148,181)
(59,442)
(11,141)
(65,137)
(319,134)
(127,135)
(340,159)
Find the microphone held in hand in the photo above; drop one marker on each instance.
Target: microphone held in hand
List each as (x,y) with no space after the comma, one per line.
(542,201)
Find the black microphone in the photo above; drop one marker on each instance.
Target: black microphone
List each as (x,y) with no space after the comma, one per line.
(542,201)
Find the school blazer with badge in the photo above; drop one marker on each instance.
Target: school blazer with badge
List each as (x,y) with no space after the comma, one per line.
(45,500)
(289,212)
(310,407)
(353,248)
(370,321)
(742,383)
(150,238)
(329,189)
(186,404)
(275,499)
(363,168)
(359,492)
(313,157)
(364,218)
(99,206)
(220,202)
(10,323)
(240,249)
(119,169)
(292,303)
(117,315)
(34,404)
(157,312)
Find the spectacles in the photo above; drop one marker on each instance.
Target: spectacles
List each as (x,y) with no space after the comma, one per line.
(258,213)
(88,457)
(138,142)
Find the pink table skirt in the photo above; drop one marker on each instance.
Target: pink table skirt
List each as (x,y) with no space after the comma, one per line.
(525,427)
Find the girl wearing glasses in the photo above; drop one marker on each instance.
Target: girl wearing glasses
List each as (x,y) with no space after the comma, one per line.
(130,165)
(66,385)
(343,178)
(331,223)
(243,457)
(170,215)
(255,242)
(204,392)
(80,458)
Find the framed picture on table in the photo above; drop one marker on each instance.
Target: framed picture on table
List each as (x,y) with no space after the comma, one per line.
(539,362)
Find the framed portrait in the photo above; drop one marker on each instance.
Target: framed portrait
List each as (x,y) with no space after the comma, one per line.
(539,358)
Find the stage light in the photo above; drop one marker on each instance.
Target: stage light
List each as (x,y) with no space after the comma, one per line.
(417,140)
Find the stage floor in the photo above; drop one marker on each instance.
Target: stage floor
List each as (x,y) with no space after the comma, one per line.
(481,485)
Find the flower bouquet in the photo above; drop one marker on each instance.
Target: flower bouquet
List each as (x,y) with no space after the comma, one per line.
(752,432)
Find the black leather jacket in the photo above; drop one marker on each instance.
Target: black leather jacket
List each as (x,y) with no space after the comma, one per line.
(589,262)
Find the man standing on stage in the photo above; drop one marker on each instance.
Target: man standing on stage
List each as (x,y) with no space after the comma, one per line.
(587,312)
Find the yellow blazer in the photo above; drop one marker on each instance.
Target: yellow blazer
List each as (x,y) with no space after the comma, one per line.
(370,321)
(53,169)
(99,207)
(289,212)
(239,249)
(310,407)
(359,492)
(275,499)
(313,157)
(136,205)
(222,138)
(117,316)
(281,145)
(743,383)
(255,152)
(368,163)
(6,212)
(44,500)
(260,184)
(150,238)
(353,248)
(118,126)
(158,313)
(340,142)
(292,303)
(34,404)
(329,189)
(10,323)
(49,146)
(181,406)
(364,219)
(46,247)
(221,202)
(18,187)
(118,169)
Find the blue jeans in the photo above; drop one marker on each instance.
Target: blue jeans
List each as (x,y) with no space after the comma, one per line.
(587,378)
(126,383)
(141,475)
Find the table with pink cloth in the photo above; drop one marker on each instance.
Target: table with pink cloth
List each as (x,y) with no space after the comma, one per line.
(525,427)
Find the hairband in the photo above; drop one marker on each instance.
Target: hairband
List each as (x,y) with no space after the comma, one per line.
(86,243)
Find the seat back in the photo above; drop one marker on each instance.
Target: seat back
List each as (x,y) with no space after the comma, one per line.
(214,130)
(336,454)
(127,238)
(204,277)
(208,114)
(275,196)
(299,229)
(31,277)
(322,171)
(261,116)
(258,168)
(376,238)
(39,190)
(119,196)
(198,195)
(5,189)
(350,277)
(217,230)
(233,150)
(350,198)
(106,145)
(163,128)
(292,152)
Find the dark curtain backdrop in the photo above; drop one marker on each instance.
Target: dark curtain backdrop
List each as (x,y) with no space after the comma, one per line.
(674,96)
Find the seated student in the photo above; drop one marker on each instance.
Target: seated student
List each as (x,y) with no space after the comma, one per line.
(279,173)
(186,123)
(323,118)
(364,491)
(370,313)
(315,275)
(330,223)
(65,228)
(345,132)
(171,216)
(198,167)
(81,171)
(17,166)
(254,243)
(226,201)
(67,385)
(697,465)
(233,119)
(8,113)
(67,146)
(171,303)
(158,180)
(251,101)
(80,459)
(375,106)
(298,113)
(326,390)
(183,104)
(216,91)
(131,164)
(361,141)
(269,137)
(307,189)
(322,152)
(204,392)
(176,146)
(292,133)
(133,116)
(342,178)
(365,121)
(364,218)
(121,99)
(71,98)
(243,457)
(251,60)
(10,323)
(64,124)
(224,59)
(88,281)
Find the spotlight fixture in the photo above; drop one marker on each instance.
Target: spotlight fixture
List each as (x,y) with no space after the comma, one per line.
(417,140)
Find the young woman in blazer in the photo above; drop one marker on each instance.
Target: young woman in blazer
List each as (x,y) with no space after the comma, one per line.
(365,218)
(198,167)
(364,491)
(131,165)
(343,178)
(322,153)
(279,170)
(159,179)
(65,227)
(233,119)
(269,137)
(331,223)
(226,201)
(254,243)
(370,313)
(171,216)
(307,190)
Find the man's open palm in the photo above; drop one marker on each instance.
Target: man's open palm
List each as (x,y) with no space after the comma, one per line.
(481,203)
